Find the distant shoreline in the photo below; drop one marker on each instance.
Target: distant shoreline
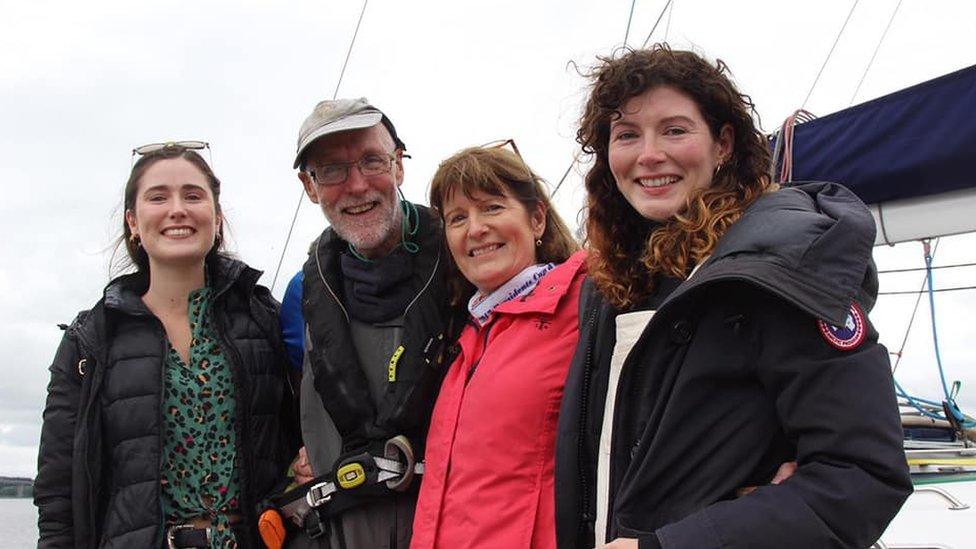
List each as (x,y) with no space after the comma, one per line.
(16,487)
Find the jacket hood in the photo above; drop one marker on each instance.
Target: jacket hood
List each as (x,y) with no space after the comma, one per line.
(810,243)
(125,292)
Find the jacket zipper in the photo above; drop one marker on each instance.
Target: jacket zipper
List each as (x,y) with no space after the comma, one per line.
(581,440)
(484,346)
(164,342)
(240,395)
(86,417)
(318,265)
(585,512)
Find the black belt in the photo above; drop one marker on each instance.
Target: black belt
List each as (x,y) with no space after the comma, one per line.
(179,536)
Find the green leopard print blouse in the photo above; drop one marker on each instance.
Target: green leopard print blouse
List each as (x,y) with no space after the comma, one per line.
(199,476)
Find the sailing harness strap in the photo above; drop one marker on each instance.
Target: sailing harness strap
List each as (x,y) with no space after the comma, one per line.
(352,477)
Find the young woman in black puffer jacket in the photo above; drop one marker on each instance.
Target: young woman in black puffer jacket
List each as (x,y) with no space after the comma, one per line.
(169,413)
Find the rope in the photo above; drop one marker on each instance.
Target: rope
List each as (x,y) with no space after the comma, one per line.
(950,401)
(783,149)
(301,194)
(917,403)
(629,19)
(831,52)
(873,55)
(659,16)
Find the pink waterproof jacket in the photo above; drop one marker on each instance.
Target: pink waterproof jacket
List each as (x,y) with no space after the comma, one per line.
(491,445)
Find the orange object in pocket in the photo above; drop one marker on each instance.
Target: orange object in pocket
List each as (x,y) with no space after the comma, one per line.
(272,529)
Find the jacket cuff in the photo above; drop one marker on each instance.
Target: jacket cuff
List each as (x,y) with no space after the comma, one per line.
(649,541)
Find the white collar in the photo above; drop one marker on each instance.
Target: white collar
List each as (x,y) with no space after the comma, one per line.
(481,306)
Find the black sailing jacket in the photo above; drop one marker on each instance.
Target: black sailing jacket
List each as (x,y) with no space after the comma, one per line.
(732,377)
(100,453)
(428,329)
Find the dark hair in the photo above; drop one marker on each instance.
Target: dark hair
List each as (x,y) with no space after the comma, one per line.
(627,250)
(137,256)
(497,171)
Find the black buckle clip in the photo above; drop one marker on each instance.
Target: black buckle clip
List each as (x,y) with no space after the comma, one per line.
(315,526)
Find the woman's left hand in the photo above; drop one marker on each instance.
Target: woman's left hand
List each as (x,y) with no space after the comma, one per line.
(620,543)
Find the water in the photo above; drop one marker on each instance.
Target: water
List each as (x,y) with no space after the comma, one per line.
(18,523)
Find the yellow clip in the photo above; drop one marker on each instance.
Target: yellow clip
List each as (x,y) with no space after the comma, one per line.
(350,475)
(391,371)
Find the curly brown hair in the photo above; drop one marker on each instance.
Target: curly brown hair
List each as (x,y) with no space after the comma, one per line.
(628,251)
(497,171)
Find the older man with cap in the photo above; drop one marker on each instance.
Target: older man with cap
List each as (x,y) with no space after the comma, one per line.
(376,323)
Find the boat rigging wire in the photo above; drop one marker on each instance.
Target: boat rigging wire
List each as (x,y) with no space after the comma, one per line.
(831,52)
(565,173)
(301,195)
(934,267)
(937,290)
(911,319)
(873,55)
(659,16)
(629,19)
(908,330)
(576,155)
(667,26)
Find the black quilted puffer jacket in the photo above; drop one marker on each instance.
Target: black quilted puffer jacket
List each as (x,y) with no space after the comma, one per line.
(99,465)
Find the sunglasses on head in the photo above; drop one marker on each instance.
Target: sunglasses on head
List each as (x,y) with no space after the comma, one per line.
(501,144)
(191,145)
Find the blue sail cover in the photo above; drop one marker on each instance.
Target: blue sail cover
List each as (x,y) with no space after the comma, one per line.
(912,143)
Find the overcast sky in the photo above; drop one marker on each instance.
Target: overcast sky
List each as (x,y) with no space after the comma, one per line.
(82,83)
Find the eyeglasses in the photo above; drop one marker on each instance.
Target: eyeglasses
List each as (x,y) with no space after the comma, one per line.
(501,144)
(153,147)
(336,173)
(191,145)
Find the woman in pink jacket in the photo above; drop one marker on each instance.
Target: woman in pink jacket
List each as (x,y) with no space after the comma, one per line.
(490,448)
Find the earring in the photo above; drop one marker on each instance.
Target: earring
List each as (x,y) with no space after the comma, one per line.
(538,242)
(134,238)
(718,168)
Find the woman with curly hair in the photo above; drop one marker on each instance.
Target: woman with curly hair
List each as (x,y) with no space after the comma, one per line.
(723,332)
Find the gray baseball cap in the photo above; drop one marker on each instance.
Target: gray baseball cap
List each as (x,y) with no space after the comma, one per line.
(339,115)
